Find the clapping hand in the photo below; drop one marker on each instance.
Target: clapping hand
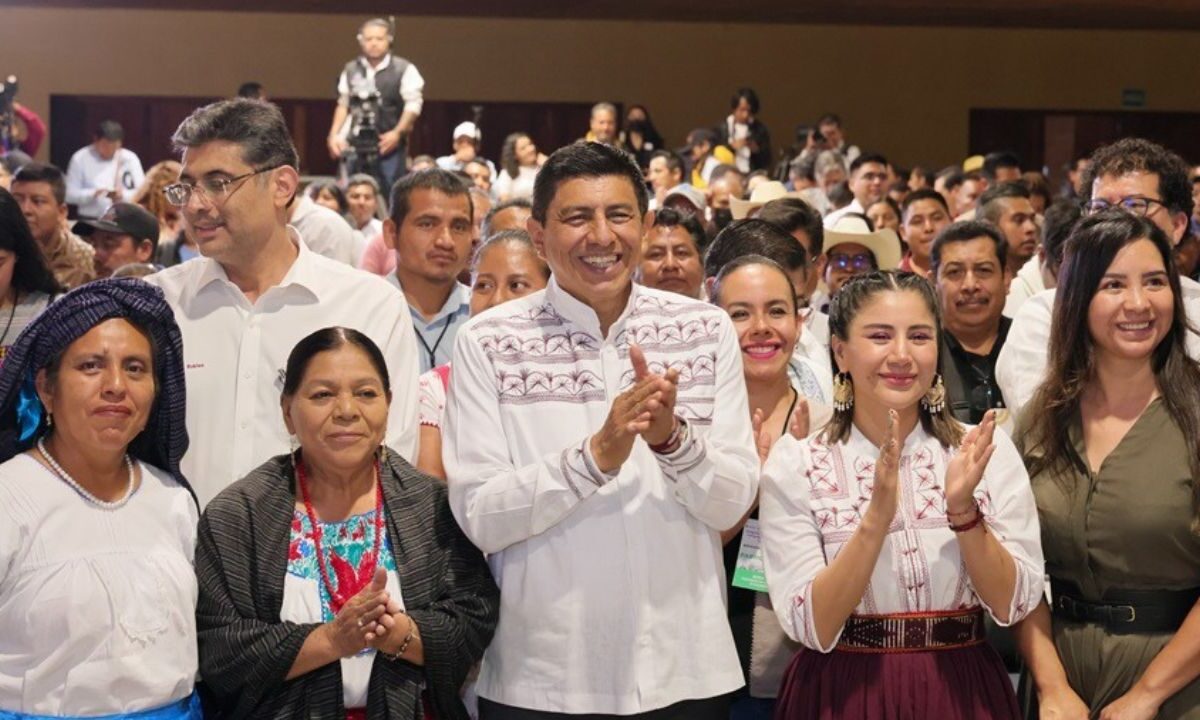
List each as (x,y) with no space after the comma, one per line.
(965,469)
(798,427)
(885,494)
(355,623)
(662,412)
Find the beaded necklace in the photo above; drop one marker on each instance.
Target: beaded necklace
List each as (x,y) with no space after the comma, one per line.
(337,599)
(66,477)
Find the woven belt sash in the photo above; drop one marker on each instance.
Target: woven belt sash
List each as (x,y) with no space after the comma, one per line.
(913,632)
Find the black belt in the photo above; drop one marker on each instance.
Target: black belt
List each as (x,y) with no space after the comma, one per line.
(1125,611)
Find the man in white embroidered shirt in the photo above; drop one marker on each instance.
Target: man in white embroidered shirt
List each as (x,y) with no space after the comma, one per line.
(597,442)
(257,290)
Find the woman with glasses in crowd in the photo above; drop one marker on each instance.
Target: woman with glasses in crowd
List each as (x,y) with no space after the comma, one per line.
(334,581)
(1112,440)
(97,526)
(888,535)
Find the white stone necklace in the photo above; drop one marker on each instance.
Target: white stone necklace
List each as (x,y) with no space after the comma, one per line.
(66,477)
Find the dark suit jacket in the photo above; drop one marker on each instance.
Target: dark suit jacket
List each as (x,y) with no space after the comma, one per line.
(246,651)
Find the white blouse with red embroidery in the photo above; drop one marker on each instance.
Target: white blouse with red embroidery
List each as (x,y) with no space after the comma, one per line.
(813,496)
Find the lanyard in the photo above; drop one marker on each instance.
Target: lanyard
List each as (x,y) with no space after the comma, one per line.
(433,350)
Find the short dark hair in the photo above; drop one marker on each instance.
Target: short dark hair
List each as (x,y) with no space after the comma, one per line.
(584,159)
(523,203)
(670,217)
(110,130)
(792,214)
(674,162)
(840,195)
(251,90)
(919,195)
(720,171)
(743,261)
(867,158)
(1038,185)
(996,160)
(30,272)
(989,209)
(1058,222)
(315,190)
(965,231)
(256,126)
(753,236)
(953,178)
(435,178)
(43,172)
(1134,154)
(748,95)
(324,340)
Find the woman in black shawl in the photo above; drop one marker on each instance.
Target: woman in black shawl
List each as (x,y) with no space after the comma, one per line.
(334,581)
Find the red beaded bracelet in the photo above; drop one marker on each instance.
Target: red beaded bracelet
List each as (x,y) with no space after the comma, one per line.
(674,440)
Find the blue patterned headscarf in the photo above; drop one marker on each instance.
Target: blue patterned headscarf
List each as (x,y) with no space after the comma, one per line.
(22,418)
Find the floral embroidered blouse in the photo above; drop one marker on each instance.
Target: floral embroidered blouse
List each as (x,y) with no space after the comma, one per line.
(813,497)
(344,544)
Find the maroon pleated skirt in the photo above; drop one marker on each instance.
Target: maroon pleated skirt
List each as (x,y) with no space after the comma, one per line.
(968,683)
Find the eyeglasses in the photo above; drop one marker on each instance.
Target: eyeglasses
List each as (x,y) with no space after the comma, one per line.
(1135,204)
(211,189)
(858,263)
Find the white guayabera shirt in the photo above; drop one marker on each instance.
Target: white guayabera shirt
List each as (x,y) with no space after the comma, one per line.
(610,584)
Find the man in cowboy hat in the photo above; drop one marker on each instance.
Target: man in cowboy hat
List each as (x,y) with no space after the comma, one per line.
(853,247)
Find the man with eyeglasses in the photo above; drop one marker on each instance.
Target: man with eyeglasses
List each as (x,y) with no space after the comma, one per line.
(257,290)
(854,247)
(868,183)
(1144,178)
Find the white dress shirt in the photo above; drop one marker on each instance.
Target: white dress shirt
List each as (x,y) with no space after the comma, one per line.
(812,500)
(235,352)
(611,585)
(324,231)
(97,607)
(854,207)
(88,172)
(1027,283)
(1021,365)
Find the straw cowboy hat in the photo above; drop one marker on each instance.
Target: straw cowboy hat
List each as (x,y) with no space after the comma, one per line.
(763,194)
(854,228)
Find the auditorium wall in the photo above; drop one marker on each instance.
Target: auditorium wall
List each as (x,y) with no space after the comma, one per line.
(907,90)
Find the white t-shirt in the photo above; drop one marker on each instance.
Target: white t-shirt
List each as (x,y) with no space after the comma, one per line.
(97,607)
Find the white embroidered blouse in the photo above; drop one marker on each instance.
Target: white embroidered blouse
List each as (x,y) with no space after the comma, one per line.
(812,499)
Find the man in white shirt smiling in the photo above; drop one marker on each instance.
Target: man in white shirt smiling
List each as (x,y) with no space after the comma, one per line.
(597,442)
(256,291)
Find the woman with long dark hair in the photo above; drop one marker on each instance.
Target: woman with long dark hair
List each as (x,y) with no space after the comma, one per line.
(889,535)
(1112,442)
(519,165)
(26,283)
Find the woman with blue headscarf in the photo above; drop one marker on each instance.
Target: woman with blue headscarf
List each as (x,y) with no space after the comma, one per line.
(97,526)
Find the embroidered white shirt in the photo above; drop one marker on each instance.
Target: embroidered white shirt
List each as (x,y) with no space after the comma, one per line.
(812,500)
(610,585)
(235,353)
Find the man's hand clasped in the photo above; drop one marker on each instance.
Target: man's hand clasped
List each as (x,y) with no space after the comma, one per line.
(647,409)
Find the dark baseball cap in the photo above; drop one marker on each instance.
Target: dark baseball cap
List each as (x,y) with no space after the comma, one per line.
(125,219)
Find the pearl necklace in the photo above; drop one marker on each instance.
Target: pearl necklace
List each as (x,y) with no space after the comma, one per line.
(66,477)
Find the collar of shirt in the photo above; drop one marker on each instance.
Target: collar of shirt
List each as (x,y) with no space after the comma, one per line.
(459,300)
(581,314)
(915,440)
(301,274)
(383,65)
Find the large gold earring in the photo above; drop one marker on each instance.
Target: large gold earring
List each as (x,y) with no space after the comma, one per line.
(843,392)
(934,399)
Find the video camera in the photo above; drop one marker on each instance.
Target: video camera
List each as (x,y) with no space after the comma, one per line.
(363,154)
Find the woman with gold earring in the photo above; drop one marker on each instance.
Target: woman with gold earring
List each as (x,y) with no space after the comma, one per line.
(890,534)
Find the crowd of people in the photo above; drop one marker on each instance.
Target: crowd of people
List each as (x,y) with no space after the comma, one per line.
(612,432)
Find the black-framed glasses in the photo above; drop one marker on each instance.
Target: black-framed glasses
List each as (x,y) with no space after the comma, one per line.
(1135,204)
(212,189)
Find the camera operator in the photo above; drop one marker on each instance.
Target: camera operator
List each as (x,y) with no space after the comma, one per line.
(12,116)
(383,86)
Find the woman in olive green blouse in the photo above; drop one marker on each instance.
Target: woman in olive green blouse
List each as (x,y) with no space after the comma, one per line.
(1113,449)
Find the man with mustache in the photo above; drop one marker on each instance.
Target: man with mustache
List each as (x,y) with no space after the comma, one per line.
(430,231)
(969,271)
